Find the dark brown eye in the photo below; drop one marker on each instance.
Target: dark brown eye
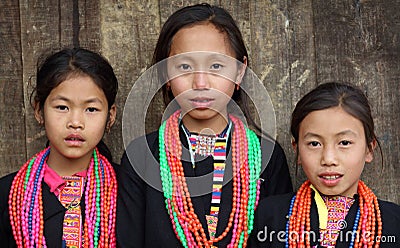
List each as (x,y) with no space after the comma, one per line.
(345,142)
(314,143)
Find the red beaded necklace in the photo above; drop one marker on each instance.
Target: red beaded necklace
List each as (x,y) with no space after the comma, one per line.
(246,167)
(370,223)
(26,205)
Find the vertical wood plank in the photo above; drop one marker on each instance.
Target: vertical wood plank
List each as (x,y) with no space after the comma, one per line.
(357,42)
(46,27)
(293,46)
(169,7)
(40,34)
(302,71)
(12,120)
(271,38)
(89,25)
(240,11)
(129,31)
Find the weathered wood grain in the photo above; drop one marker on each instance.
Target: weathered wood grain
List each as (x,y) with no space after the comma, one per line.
(12,120)
(293,46)
(357,42)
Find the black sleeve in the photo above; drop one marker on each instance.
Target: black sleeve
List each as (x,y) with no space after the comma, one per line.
(390,214)
(270,222)
(130,206)
(276,174)
(138,168)
(6,236)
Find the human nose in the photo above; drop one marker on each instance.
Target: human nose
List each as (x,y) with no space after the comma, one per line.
(200,80)
(75,121)
(329,156)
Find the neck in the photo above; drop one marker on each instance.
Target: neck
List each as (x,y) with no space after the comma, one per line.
(64,166)
(207,126)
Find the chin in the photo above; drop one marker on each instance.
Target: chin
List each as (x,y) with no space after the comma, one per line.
(202,114)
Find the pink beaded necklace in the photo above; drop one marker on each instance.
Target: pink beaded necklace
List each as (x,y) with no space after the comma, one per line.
(246,167)
(26,203)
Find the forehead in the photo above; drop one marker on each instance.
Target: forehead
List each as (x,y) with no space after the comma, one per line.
(201,37)
(331,121)
(78,87)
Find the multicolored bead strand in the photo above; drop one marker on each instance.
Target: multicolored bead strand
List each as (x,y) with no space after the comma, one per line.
(368,218)
(246,167)
(288,221)
(26,205)
(353,235)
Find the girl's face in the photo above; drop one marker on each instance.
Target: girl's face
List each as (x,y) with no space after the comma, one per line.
(333,150)
(203,75)
(75,117)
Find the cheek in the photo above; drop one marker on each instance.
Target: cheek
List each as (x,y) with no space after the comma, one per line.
(96,131)
(52,126)
(225,88)
(307,159)
(178,86)
(301,154)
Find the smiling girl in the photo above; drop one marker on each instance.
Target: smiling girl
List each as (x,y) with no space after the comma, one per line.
(333,135)
(65,195)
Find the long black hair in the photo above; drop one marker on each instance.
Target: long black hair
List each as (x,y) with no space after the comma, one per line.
(351,99)
(202,14)
(69,62)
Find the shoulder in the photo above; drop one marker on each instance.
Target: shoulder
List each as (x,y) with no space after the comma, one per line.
(140,158)
(270,217)
(6,181)
(272,148)
(389,211)
(275,170)
(5,186)
(276,203)
(390,214)
(148,141)
(272,210)
(115,166)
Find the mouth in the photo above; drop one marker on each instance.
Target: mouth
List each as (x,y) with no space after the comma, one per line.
(201,99)
(201,102)
(74,140)
(332,177)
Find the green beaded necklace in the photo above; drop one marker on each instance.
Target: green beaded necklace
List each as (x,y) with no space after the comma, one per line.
(246,184)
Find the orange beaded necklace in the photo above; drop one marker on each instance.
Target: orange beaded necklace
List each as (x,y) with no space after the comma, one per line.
(367,227)
(246,166)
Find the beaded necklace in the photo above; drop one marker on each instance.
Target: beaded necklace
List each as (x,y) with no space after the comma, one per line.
(26,205)
(246,168)
(367,222)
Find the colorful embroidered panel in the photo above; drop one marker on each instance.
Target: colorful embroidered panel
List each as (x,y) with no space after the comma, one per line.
(212,145)
(70,198)
(338,207)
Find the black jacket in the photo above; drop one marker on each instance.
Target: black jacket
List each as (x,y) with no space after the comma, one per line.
(142,218)
(271,217)
(53,217)
(53,212)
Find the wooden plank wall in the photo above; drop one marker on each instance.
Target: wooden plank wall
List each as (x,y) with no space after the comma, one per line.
(293,46)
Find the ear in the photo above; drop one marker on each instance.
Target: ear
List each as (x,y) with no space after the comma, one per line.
(241,72)
(294,144)
(369,155)
(38,113)
(112,117)
(295,148)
